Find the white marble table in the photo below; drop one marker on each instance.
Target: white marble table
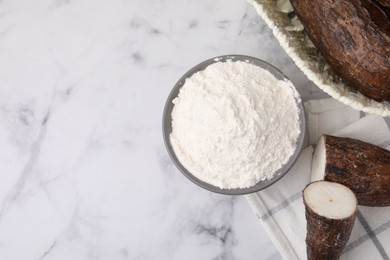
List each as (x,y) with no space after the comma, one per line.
(85,174)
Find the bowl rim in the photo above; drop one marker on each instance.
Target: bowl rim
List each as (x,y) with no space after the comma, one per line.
(167,125)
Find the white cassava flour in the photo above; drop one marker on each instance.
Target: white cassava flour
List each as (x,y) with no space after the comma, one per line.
(234,124)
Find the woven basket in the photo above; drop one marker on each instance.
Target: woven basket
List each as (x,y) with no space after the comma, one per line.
(279,16)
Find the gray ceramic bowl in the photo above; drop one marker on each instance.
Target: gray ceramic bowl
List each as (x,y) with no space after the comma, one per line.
(167,127)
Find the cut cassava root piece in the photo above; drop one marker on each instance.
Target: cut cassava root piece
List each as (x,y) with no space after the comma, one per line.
(353,36)
(363,167)
(330,215)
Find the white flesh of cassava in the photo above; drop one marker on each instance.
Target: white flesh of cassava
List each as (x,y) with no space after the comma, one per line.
(319,161)
(330,200)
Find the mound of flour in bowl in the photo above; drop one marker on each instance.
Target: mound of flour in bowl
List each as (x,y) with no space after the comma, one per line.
(234,124)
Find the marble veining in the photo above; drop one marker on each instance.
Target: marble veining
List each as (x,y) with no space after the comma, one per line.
(85,174)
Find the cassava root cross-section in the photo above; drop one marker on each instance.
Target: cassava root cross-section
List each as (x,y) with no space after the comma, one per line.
(363,167)
(330,215)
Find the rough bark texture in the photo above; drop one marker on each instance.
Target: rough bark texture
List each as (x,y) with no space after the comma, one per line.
(354,38)
(363,167)
(326,238)
(384,3)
